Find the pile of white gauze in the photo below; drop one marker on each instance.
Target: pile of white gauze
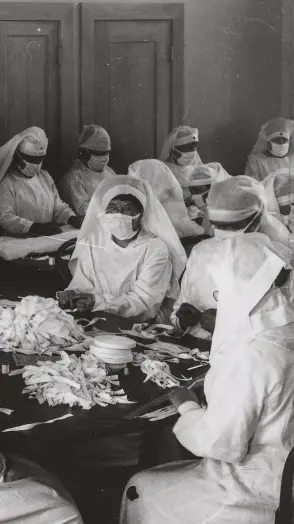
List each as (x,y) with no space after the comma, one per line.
(73,381)
(38,325)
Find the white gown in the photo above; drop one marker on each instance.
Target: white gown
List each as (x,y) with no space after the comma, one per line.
(80,183)
(24,201)
(183,173)
(33,496)
(260,165)
(247,432)
(129,282)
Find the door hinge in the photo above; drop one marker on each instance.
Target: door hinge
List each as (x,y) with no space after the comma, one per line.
(172,54)
(59,54)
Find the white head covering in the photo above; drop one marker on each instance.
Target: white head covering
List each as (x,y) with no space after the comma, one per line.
(169,193)
(178,137)
(274,128)
(154,220)
(94,138)
(208,174)
(31,141)
(249,266)
(240,197)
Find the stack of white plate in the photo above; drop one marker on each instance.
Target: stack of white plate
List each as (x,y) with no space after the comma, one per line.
(113,350)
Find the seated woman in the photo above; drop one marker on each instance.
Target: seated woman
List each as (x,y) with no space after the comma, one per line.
(81,181)
(29,494)
(200,183)
(129,257)
(169,193)
(235,206)
(273,151)
(280,194)
(29,201)
(246,432)
(180,154)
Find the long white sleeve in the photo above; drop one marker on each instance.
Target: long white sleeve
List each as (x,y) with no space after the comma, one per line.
(223,431)
(10,221)
(62,211)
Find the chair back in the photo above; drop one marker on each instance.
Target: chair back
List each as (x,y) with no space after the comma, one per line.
(61,263)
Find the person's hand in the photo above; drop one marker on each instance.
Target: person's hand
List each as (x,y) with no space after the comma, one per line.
(66,298)
(47,229)
(188,315)
(84,302)
(178,396)
(75,222)
(207,320)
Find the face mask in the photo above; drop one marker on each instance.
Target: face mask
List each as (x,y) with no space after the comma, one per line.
(120,226)
(279,150)
(29,170)
(98,163)
(186,159)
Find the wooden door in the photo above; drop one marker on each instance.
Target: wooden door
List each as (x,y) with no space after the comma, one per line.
(37,75)
(132,75)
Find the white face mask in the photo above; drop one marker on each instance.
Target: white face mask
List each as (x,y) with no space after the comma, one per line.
(29,170)
(186,159)
(98,163)
(279,150)
(120,226)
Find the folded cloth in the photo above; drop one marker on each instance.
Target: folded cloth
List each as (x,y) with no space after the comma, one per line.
(14,248)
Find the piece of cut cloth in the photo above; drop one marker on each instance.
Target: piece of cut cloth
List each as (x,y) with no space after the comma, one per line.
(132,280)
(239,198)
(179,136)
(79,184)
(169,193)
(260,162)
(15,248)
(33,138)
(24,201)
(246,432)
(33,496)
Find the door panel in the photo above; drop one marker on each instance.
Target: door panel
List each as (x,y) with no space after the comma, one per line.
(127,73)
(36,84)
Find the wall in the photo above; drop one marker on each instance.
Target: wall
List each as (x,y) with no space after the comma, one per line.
(232,73)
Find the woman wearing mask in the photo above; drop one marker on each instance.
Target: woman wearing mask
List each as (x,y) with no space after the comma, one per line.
(273,151)
(87,172)
(246,432)
(235,206)
(200,184)
(128,256)
(169,193)
(180,154)
(29,201)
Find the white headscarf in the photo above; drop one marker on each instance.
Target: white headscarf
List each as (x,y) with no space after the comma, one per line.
(179,136)
(276,127)
(169,193)
(244,275)
(94,138)
(208,174)
(155,220)
(32,141)
(240,197)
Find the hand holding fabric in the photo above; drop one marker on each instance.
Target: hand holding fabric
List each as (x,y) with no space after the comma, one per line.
(84,302)
(47,229)
(188,315)
(75,222)
(179,396)
(207,320)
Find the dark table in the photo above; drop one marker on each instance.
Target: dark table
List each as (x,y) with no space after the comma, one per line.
(96,445)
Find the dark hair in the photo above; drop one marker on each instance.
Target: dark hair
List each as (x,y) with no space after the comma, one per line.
(130,199)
